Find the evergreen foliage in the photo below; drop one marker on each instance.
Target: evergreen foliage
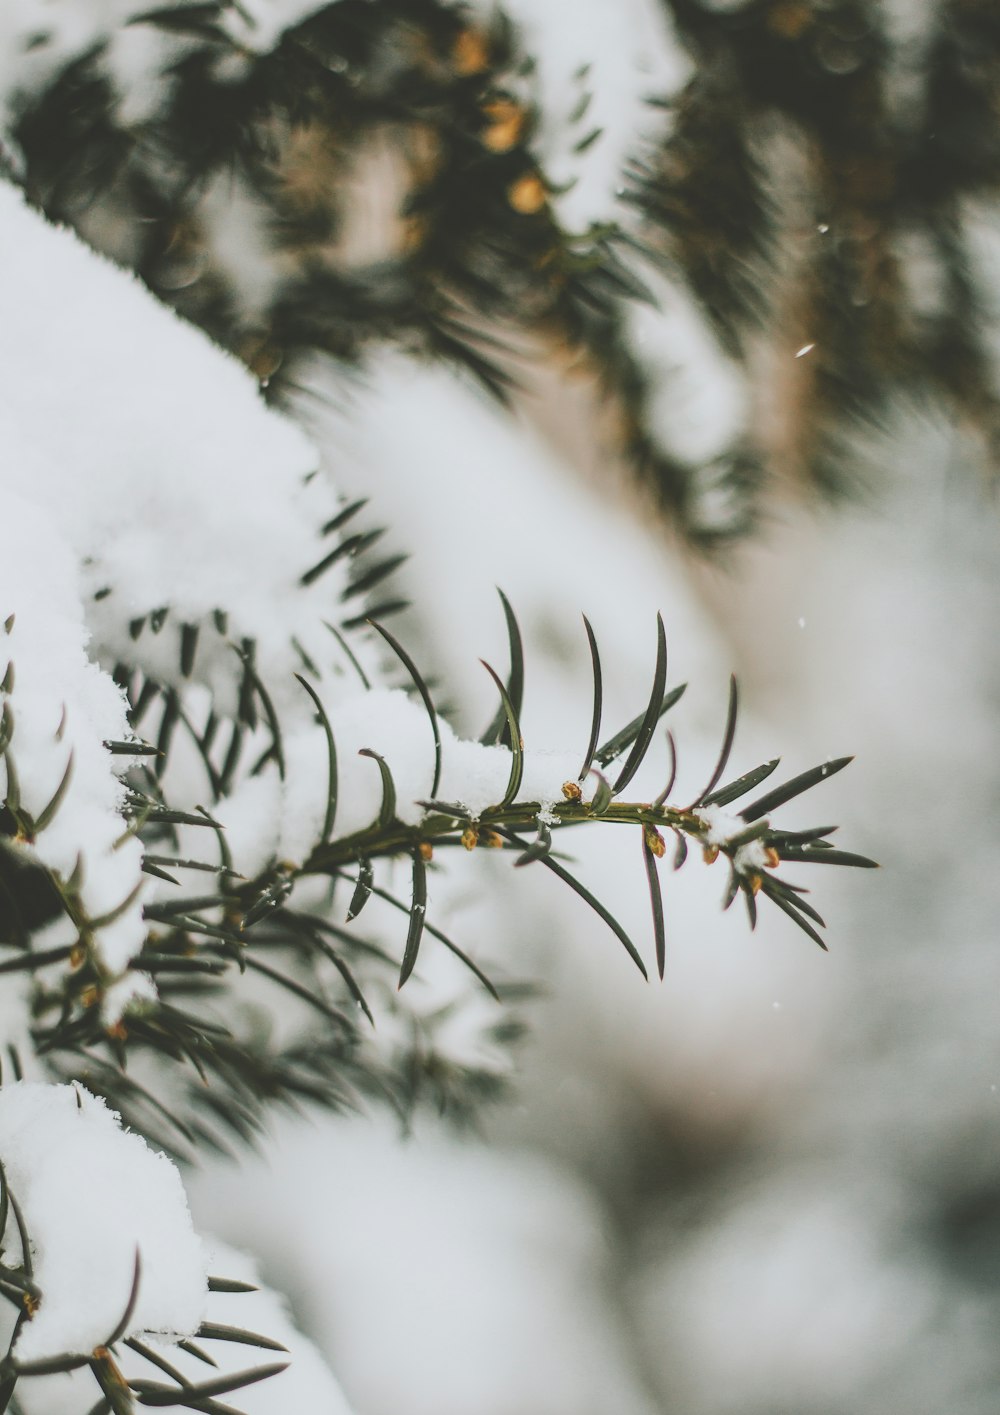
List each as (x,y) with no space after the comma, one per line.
(817,180)
(476,261)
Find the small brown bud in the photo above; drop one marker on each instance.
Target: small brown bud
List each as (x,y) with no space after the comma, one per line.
(711,853)
(470,837)
(117,1031)
(572,791)
(772,857)
(655,843)
(78,956)
(493,840)
(755,882)
(89,996)
(110,1373)
(527,195)
(263,359)
(415,229)
(506,124)
(30,1303)
(426,850)
(789,19)
(470,53)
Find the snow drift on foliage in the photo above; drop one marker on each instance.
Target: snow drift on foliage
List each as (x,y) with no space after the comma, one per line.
(267,817)
(175,485)
(169,492)
(305,1387)
(63,708)
(163,457)
(92,1195)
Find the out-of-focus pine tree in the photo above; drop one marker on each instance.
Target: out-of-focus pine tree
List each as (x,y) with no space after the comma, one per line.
(816,175)
(754,232)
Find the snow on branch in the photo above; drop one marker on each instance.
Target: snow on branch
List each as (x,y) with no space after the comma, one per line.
(92,1196)
(162,456)
(60,783)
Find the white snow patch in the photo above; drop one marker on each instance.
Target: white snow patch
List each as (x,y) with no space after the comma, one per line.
(64,709)
(167,474)
(723,828)
(721,825)
(92,1194)
(490,1296)
(129,993)
(698,400)
(307,1384)
(750,857)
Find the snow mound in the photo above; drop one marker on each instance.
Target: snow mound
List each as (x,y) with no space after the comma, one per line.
(92,1196)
